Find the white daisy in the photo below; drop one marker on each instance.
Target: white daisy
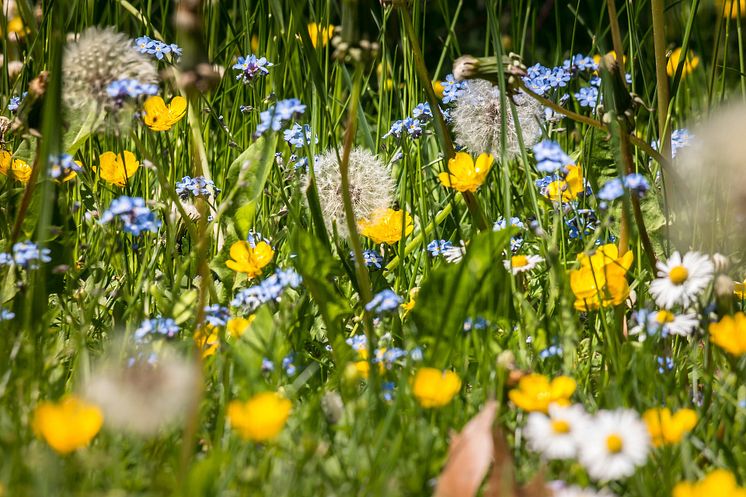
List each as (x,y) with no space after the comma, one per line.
(681,280)
(664,322)
(520,263)
(553,436)
(613,444)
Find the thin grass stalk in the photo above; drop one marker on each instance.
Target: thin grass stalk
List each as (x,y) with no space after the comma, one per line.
(661,76)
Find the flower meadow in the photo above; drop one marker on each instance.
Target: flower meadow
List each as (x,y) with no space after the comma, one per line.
(394,247)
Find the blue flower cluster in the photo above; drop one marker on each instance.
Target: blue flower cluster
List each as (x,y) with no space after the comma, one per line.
(62,166)
(250,67)
(133,213)
(271,289)
(146,45)
(384,301)
(287,364)
(371,258)
(217,315)
(421,115)
(200,186)
(6,315)
(166,327)
(680,138)
(516,241)
(437,247)
(122,89)
(15,102)
(475,324)
(551,351)
(550,157)
(452,89)
(587,96)
(299,136)
(614,188)
(277,115)
(582,225)
(26,255)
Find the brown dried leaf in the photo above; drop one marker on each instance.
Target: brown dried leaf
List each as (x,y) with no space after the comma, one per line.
(469,456)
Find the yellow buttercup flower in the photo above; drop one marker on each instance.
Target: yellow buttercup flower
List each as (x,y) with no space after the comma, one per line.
(254,43)
(438,88)
(435,388)
(408,306)
(692,61)
(320,35)
(67,425)
(248,259)
(719,483)
(158,117)
(732,8)
(567,189)
(385,226)
(730,334)
(466,175)
(261,418)
(666,428)
(207,339)
(237,326)
(739,289)
(601,280)
(535,392)
(14,168)
(117,169)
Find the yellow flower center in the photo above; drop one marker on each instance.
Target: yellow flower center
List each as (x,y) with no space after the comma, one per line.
(519,261)
(614,443)
(678,275)
(664,316)
(560,426)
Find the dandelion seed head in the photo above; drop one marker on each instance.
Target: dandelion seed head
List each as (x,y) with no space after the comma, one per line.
(98,58)
(371,187)
(477,120)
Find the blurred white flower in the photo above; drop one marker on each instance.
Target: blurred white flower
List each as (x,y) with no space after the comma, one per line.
(554,435)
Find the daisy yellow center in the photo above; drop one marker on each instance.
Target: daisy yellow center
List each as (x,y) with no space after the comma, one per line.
(560,426)
(664,317)
(519,261)
(614,443)
(678,275)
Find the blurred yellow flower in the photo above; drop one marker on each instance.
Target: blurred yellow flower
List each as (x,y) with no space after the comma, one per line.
(732,8)
(739,289)
(385,226)
(238,326)
(465,174)
(408,306)
(67,425)
(692,61)
(535,392)
(14,168)
(565,190)
(719,483)
(730,334)
(248,259)
(666,428)
(117,169)
(435,388)
(319,34)
(261,418)
(207,340)
(601,279)
(158,117)
(254,43)
(438,88)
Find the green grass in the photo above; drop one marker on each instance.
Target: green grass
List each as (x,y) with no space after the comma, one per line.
(73,312)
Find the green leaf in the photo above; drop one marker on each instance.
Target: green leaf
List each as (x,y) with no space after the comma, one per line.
(248,174)
(478,285)
(316,264)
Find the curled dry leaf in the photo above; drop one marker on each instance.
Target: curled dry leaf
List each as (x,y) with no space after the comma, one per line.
(469,456)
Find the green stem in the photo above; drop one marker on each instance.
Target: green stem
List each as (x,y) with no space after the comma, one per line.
(661,76)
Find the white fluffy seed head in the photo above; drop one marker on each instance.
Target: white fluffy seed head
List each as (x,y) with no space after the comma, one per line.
(707,186)
(97,58)
(477,121)
(371,187)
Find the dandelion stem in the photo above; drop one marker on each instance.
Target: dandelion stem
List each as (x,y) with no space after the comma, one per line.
(440,124)
(659,42)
